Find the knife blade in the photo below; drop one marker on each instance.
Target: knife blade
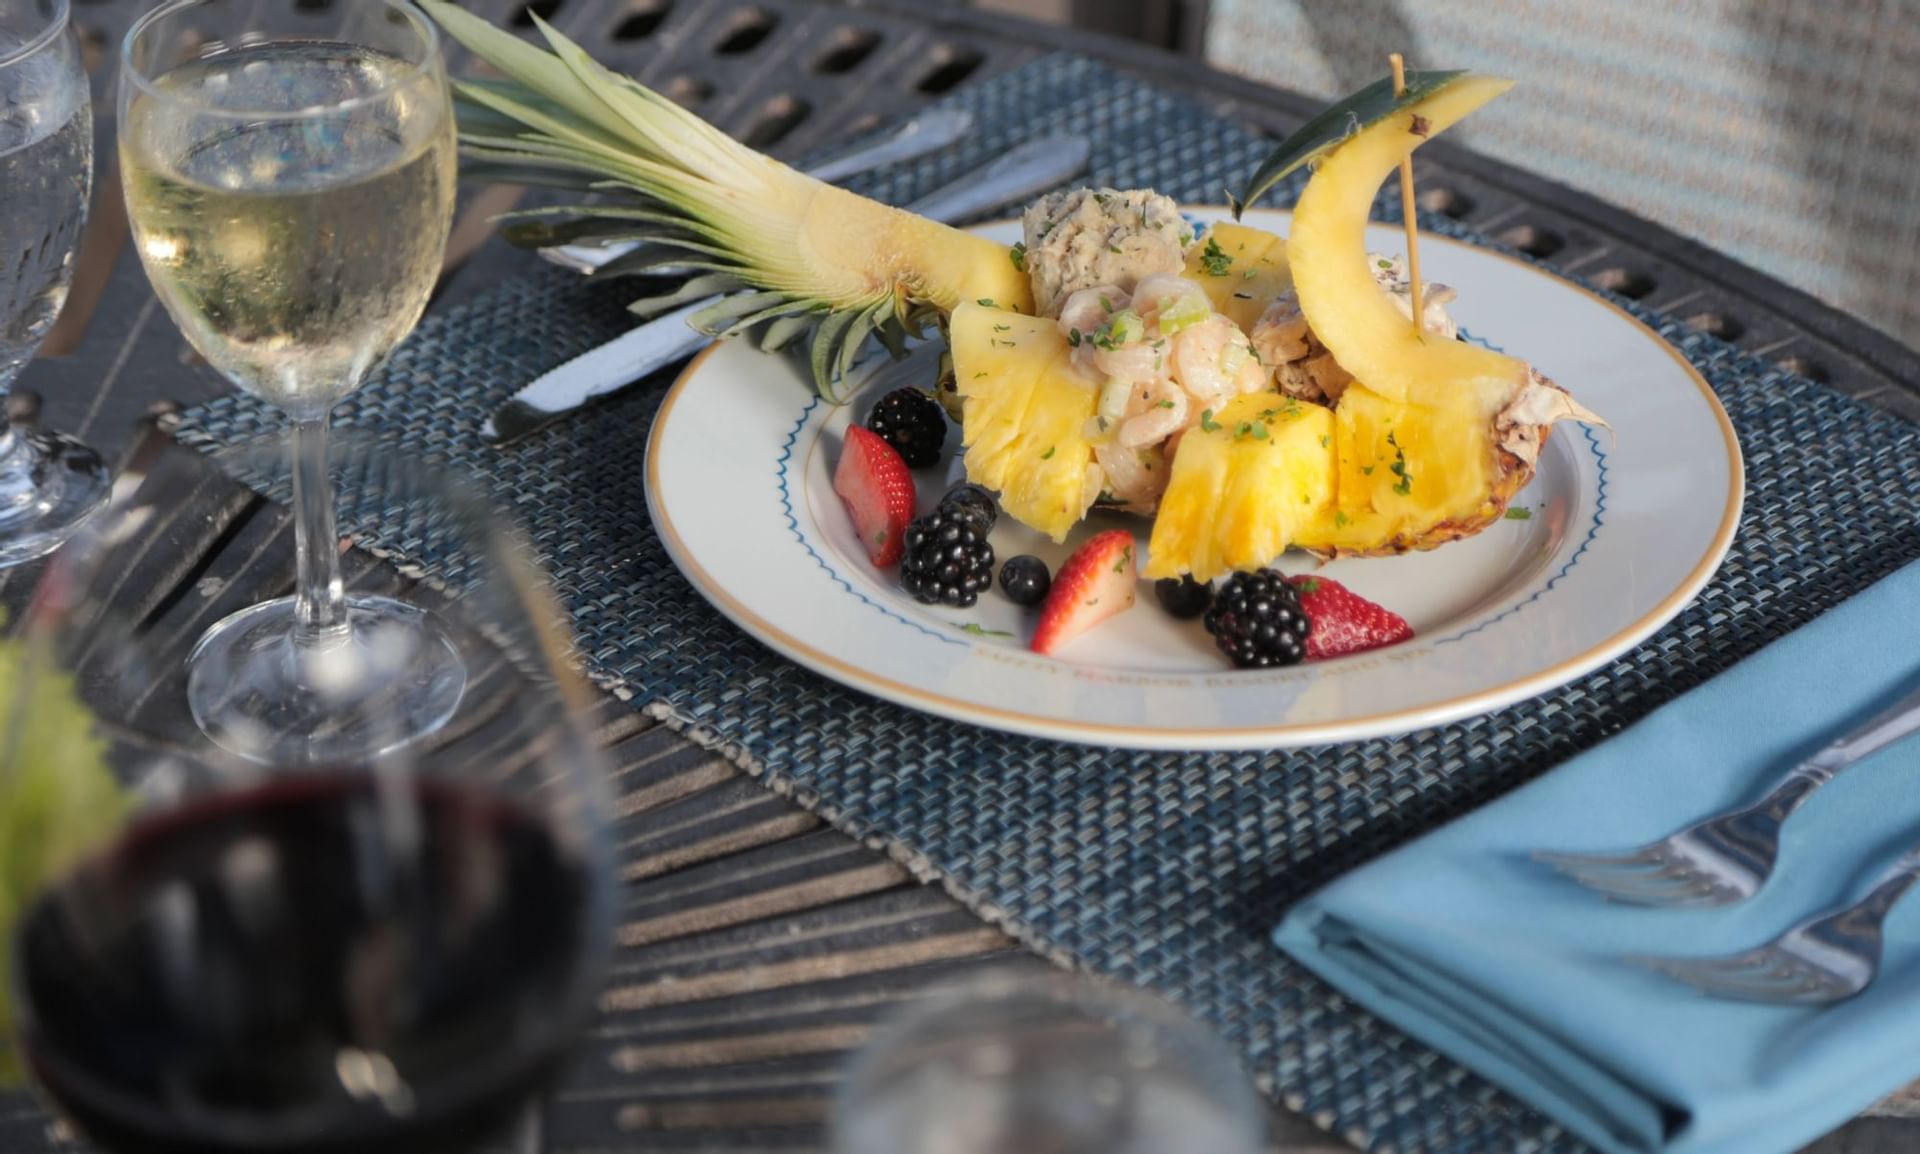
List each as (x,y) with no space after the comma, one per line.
(1024,171)
(924,134)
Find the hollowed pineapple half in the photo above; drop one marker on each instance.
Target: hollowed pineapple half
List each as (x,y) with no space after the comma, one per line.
(1430,443)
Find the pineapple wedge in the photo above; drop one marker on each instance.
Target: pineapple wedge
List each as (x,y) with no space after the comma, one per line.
(1241,268)
(1245,483)
(1026,412)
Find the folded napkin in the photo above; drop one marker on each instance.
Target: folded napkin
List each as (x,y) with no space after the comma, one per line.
(1465,943)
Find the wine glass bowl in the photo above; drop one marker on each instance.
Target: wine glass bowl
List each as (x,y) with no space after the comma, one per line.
(290,198)
(49,482)
(385,954)
(1013,1064)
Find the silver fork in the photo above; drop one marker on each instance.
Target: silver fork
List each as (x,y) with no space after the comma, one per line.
(1726,858)
(1828,958)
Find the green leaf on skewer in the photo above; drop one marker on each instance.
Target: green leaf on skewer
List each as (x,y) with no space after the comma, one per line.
(1318,136)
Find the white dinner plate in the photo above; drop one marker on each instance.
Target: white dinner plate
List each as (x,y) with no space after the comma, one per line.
(1624,530)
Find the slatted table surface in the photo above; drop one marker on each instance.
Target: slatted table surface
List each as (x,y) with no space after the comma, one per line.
(756,946)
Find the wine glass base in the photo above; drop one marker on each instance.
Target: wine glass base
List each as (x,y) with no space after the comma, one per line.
(386,679)
(49,485)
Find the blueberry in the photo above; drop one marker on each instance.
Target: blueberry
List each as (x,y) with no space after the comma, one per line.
(1183,597)
(1024,579)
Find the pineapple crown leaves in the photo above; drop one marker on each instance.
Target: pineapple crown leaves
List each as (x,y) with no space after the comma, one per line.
(1335,123)
(702,203)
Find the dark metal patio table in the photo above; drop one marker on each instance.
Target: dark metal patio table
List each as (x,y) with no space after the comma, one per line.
(757,945)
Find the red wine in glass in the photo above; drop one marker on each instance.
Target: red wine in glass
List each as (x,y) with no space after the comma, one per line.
(325,963)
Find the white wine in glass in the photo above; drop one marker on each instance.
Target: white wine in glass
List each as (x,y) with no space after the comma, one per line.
(291,182)
(49,483)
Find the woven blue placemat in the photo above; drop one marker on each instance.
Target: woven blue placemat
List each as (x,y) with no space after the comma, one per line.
(1168,870)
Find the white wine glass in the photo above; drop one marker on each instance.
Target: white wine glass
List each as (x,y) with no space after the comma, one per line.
(389,954)
(49,482)
(289,174)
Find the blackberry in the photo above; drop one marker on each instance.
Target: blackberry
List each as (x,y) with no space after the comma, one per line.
(1256,620)
(948,560)
(1024,579)
(913,423)
(975,504)
(1182,596)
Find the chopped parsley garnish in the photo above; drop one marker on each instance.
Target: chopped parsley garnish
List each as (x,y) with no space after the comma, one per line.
(1018,254)
(1384,263)
(880,537)
(1101,199)
(1105,303)
(1340,519)
(979,374)
(1366,470)
(1073,337)
(1250,274)
(1259,432)
(1399,468)
(998,343)
(986,303)
(1243,296)
(1207,424)
(1166,404)
(979,630)
(1215,259)
(1113,248)
(1519,514)
(1324,439)
(1001,328)
(1048,455)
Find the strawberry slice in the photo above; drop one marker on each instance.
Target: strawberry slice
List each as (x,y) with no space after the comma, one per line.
(1095,583)
(874,484)
(1344,622)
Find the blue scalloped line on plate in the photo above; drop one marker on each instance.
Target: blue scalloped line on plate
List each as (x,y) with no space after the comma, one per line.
(793,526)
(1593,530)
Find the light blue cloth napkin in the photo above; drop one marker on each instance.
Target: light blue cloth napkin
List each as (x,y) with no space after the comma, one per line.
(1463,942)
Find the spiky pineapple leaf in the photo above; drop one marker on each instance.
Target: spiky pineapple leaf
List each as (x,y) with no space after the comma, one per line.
(1342,119)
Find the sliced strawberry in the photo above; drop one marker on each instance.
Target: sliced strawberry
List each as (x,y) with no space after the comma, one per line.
(1344,622)
(1095,583)
(874,484)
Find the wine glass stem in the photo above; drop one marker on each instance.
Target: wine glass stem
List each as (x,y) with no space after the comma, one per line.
(319,598)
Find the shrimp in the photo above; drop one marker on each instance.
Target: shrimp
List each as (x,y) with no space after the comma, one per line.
(1135,362)
(1133,475)
(1089,308)
(1214,363)
(1155,293)
(1155,412)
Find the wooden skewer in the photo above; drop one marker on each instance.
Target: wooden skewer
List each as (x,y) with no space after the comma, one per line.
(1406,210)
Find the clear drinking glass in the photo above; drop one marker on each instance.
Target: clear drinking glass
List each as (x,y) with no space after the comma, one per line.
(289,173)
(49,483)
(387,955)
(1019,1065)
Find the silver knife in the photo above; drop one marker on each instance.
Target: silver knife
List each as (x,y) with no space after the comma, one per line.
(924,134)
(1026,171)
